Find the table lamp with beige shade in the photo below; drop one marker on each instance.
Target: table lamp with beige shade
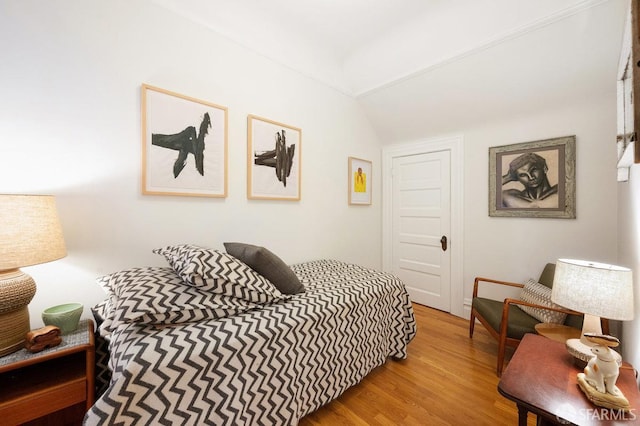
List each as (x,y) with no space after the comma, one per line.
(30,234)
(598,290)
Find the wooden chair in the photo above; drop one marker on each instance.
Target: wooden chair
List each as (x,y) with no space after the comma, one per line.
(506,322)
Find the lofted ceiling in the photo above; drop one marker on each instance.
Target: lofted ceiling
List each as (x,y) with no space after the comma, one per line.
(402,53)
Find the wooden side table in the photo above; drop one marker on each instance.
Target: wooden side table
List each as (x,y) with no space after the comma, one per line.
(35,385)
(558,332)
(541,378)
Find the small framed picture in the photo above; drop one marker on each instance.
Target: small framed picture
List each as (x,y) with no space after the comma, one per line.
(184,145)
(359,181)
(273,157)
(533,179)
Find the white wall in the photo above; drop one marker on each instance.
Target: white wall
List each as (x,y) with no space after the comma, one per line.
(556,80)
(70,80)
(516,249)
(629,256)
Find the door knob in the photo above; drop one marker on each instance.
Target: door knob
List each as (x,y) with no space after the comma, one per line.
(443,243)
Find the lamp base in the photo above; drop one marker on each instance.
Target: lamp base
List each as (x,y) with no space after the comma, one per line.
(16,291)
(581,352)
(14,326)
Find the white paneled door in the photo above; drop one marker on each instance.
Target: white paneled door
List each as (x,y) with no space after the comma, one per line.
(421,223)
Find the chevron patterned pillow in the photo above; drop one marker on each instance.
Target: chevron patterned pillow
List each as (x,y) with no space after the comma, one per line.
(534,292)
(157,295)
(227,275)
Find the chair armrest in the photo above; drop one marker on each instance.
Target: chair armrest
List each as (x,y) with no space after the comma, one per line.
(508,301)
(505,311)
(478,280)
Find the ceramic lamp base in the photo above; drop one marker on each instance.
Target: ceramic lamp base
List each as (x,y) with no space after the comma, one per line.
(581,352)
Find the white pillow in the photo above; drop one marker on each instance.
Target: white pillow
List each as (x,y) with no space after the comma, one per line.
(534,292)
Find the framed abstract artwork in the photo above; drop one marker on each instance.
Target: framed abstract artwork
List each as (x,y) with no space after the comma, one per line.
(359,181)
(184,145)
(274,165)
(533,179)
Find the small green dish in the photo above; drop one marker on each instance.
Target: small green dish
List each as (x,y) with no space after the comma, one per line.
(66,316)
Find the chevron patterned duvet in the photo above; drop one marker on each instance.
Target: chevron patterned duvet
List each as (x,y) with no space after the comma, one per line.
(269,365)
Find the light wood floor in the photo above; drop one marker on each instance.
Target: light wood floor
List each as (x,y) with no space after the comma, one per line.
(447,379)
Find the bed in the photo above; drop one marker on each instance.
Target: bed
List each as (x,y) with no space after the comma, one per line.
(210,340)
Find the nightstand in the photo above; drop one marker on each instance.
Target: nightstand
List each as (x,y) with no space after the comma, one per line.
(57,380)
(542,378)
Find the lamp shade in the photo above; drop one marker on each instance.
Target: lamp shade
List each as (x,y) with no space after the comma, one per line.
(30,231)
(594,288)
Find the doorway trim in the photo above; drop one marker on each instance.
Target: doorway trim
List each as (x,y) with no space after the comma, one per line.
(454,144)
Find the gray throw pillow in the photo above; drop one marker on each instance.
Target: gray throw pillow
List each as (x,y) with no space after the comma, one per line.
(268,265)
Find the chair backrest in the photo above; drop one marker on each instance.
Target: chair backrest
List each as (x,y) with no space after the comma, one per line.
(546,278)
